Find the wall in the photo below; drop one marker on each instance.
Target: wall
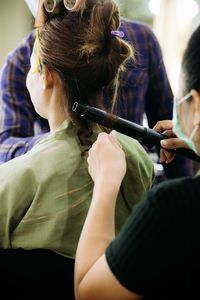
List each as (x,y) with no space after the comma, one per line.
(15,22)
(173,28)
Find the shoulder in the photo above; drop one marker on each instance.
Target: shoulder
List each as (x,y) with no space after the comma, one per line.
(22,52)
(17,64)
(143,40)
(17,173)
(131,146)
(28,39)
(136,156)
(176,190)
(136,29)
(62,147)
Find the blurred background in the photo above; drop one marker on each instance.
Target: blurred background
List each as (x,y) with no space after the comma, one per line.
(171,20)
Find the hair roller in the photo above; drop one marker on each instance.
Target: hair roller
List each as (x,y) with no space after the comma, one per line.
(50,5)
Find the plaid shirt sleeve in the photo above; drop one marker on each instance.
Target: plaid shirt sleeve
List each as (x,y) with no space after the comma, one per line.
(18,118)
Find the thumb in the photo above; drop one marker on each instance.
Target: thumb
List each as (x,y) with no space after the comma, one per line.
(173,143)
(113,139)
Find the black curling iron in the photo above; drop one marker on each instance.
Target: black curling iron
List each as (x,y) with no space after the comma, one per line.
(144,135)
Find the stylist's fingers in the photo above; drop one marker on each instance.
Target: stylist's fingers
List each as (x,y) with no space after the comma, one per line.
(98,154)
(92,164)
(173,143)
(169,133)
(106,159)
(168,147)
(119,153)
(163,125)
(113,138)
(166,156)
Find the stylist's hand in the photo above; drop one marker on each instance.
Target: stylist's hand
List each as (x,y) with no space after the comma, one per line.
(106,159)
(167,146)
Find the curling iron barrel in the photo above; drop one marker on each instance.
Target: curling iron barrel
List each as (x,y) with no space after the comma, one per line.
(146,136)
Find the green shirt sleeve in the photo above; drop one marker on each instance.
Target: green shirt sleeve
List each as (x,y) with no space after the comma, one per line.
(16,195)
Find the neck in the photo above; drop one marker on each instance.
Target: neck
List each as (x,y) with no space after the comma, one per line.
(57,112)
(54,123)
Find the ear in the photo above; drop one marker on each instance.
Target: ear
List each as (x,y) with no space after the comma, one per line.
(196,100)
(48,78)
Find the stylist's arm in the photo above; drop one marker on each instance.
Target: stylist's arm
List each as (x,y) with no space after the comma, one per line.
(93,278)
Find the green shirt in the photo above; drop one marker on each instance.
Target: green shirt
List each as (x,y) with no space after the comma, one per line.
(45,194)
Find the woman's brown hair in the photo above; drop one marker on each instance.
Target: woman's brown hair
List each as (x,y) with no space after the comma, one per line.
(79,46)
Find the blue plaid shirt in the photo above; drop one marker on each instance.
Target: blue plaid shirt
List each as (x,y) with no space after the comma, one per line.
(144,89)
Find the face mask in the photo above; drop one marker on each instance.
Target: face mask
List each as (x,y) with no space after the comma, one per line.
(177,127)
(33,6)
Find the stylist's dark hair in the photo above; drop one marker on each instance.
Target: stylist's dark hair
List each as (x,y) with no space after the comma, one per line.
(80,48)
(191,62)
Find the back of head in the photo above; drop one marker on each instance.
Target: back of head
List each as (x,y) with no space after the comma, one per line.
(191,62)
(79,46)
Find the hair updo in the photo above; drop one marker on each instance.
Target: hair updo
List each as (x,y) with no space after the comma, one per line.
(79,46)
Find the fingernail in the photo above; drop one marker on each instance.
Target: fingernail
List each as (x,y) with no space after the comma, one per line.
(163,143)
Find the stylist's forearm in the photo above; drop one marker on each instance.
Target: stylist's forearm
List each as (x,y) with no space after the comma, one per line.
(99,228)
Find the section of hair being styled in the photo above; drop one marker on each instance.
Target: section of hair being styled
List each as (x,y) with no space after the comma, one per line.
(79,46)
(191,62)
